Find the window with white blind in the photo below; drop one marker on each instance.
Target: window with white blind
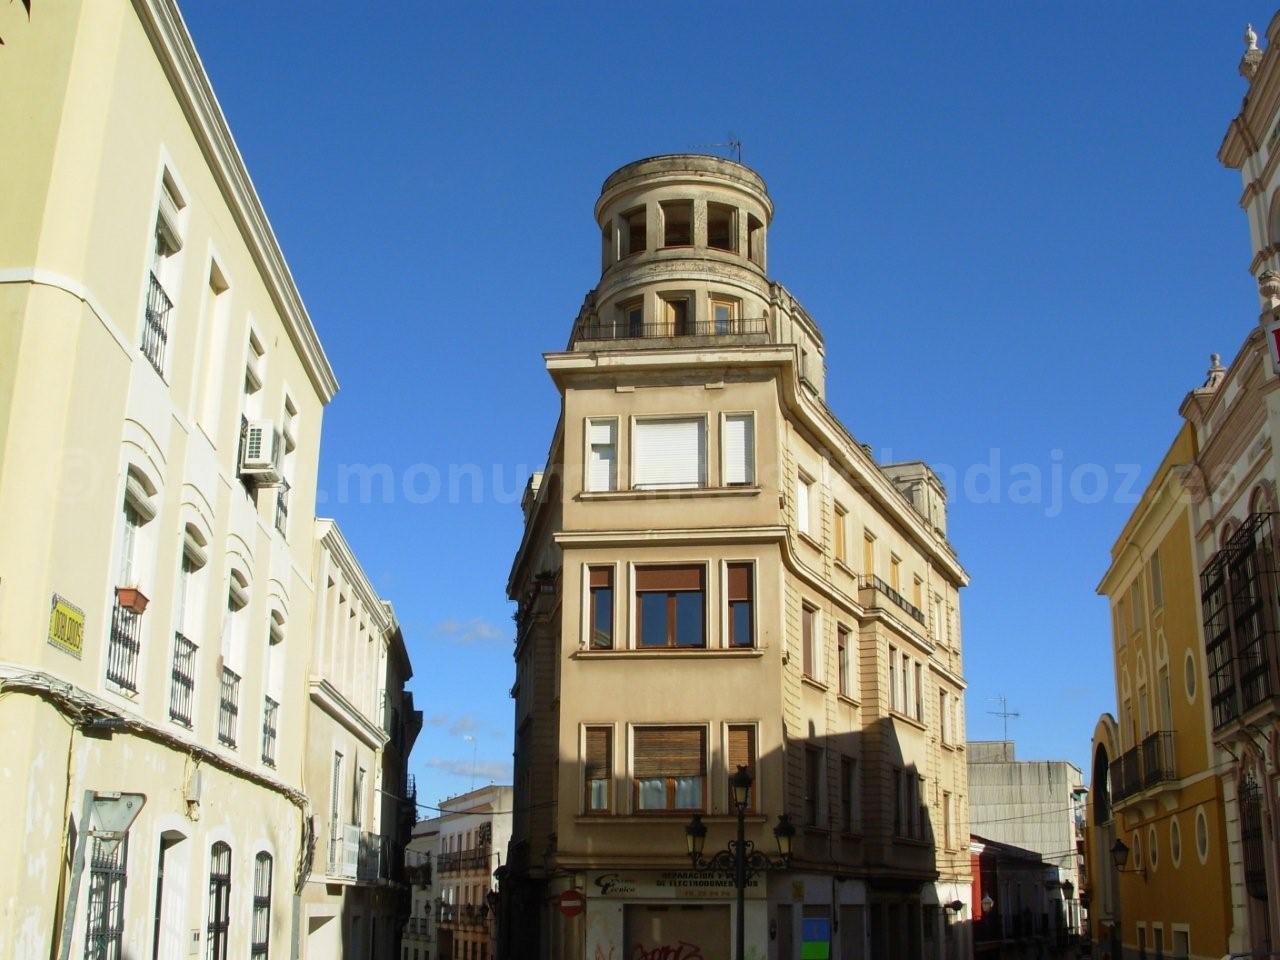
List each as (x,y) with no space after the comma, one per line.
(739,449)
(669,454)
(602,455)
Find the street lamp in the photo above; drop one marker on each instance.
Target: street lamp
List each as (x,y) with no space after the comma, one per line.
(1120,857)
(741,856)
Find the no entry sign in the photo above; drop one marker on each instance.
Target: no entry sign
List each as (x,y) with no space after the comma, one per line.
(572,903)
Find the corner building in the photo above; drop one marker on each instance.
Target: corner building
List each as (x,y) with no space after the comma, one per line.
(715,573)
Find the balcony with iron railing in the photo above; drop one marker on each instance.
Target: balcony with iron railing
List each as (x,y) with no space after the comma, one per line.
(270,709)
(466,915)
(123,645)
(182,683)
(228,706)
(1143,767)
(462,861)
(360,856)
(589,333)
(872,582)
(155,324)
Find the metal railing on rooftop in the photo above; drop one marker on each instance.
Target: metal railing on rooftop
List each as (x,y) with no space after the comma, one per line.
(621,330)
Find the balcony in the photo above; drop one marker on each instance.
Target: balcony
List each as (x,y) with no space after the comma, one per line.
(419,927)
(872,582)
(356,855)
(270,709)
(122,648)
(468,915)
(155,326)
(182,682)
(734,332)
(461,861)
(1144,766)
(228,706)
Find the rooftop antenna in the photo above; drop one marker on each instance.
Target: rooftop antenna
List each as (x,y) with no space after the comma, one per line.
(1004,713)
(733,143)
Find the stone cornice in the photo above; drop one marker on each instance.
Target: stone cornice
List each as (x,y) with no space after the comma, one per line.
(181,63)
(331,539)
(326,696)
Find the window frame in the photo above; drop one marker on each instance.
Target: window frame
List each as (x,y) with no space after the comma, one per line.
(750,447)
(840,532)
(844,660)
(729,638)
(732,304)
(637,617)
(610,793)
(625,310)
(848,793)
(813,764)
(673,324)
(589,606)
(261,905)
(663,207)
(588,448)
(633,446)
(805,508)
(670,809)
(730,770)
(733,227)
(626,230)
(810,641)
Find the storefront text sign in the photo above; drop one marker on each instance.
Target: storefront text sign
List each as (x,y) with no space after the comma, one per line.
(66,627)
(682,884)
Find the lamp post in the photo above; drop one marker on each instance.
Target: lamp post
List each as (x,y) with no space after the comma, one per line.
(1120,857)
(740,856)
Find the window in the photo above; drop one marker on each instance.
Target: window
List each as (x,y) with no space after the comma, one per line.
(755,240)
(840,534)
(919,692)
(723,313)
(1135,604)
(722,227)
(261,905)
(602,455)
(357,798)
(804,503)
(631,316)
(677,313)
(742,753)
(669,606)
(634,236)
(812,785)
(670,768)
(669,454)
(1157,584)
(947,820)
(104,932)
(809,638)
(894,702)
(898,820)
(739,449)
(848,792)
(904,675)
(944,715)
(335,835)
(895,573)
(842,655)
(600,612)
(677,223)
(868,553)
(598,769)
(219,901)
(741,614)
(917,593)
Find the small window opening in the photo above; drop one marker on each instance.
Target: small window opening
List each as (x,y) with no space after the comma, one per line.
(633,231)
(677,221)
(722,232)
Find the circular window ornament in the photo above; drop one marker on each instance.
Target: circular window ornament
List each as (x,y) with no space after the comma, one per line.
(1175,841)
(1202,835)
(1153,847)
(1189,671)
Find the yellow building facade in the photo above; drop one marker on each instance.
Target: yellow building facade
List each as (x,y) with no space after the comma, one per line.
(1156,841)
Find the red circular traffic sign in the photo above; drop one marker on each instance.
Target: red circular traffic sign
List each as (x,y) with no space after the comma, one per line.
(572,903)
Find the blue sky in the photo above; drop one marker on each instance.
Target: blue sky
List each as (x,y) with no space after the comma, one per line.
(1008,219)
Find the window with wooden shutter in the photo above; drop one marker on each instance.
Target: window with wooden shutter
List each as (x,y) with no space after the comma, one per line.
(669,454)
(739,449)
(670,768)
(600,607)
(742,753)
(741,613)
(598,769)
(602,455)
(670,606)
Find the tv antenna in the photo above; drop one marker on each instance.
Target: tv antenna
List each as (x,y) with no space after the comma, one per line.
(733,143)
(1004,713)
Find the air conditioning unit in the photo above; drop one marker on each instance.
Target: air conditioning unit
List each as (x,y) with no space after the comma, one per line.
(261,452)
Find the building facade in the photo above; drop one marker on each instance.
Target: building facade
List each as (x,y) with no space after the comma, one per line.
(1014,903)
(360,726)
(1035,805)
(714,573)
(161,395)
(420,936)
(1155,785)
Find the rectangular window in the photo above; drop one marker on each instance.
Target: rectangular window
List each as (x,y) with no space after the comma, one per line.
(809,637)
(105,928)
(895,574)
(741,614)
(670,768)
(894,702)
(904,675)
(812,785)
(677,313)
(631,316)
(602,455)
(868,553)
(946,820)
(669,606)
(722,227)
(669,454)
(804,503)
(739,450)
(723,314)
(842,653)
(357,798)
(917,592)
(634,235)
(1157,583)
(840,533)
(848,766)
(898,802)
(677,223)
(742,753)
(944,714)
(919,692)
(600,612)
(598,769)
(1135,604)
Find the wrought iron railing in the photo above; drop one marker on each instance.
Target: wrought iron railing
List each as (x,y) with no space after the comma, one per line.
(228,706)
(473,858)
(155,325)
(182,682)
(1126,774)
(1157,758)
(122,648)
(269,710)
(871,581)
(621,330)
(372,860)
(282,507)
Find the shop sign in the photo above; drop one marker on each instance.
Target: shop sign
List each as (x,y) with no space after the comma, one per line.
(66,627)
(668,884)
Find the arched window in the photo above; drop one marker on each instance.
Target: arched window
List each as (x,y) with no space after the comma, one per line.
(261,905)
(1101,786)
(219,901)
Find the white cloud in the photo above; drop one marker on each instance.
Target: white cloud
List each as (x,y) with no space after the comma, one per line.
(475,630)
(483,771)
